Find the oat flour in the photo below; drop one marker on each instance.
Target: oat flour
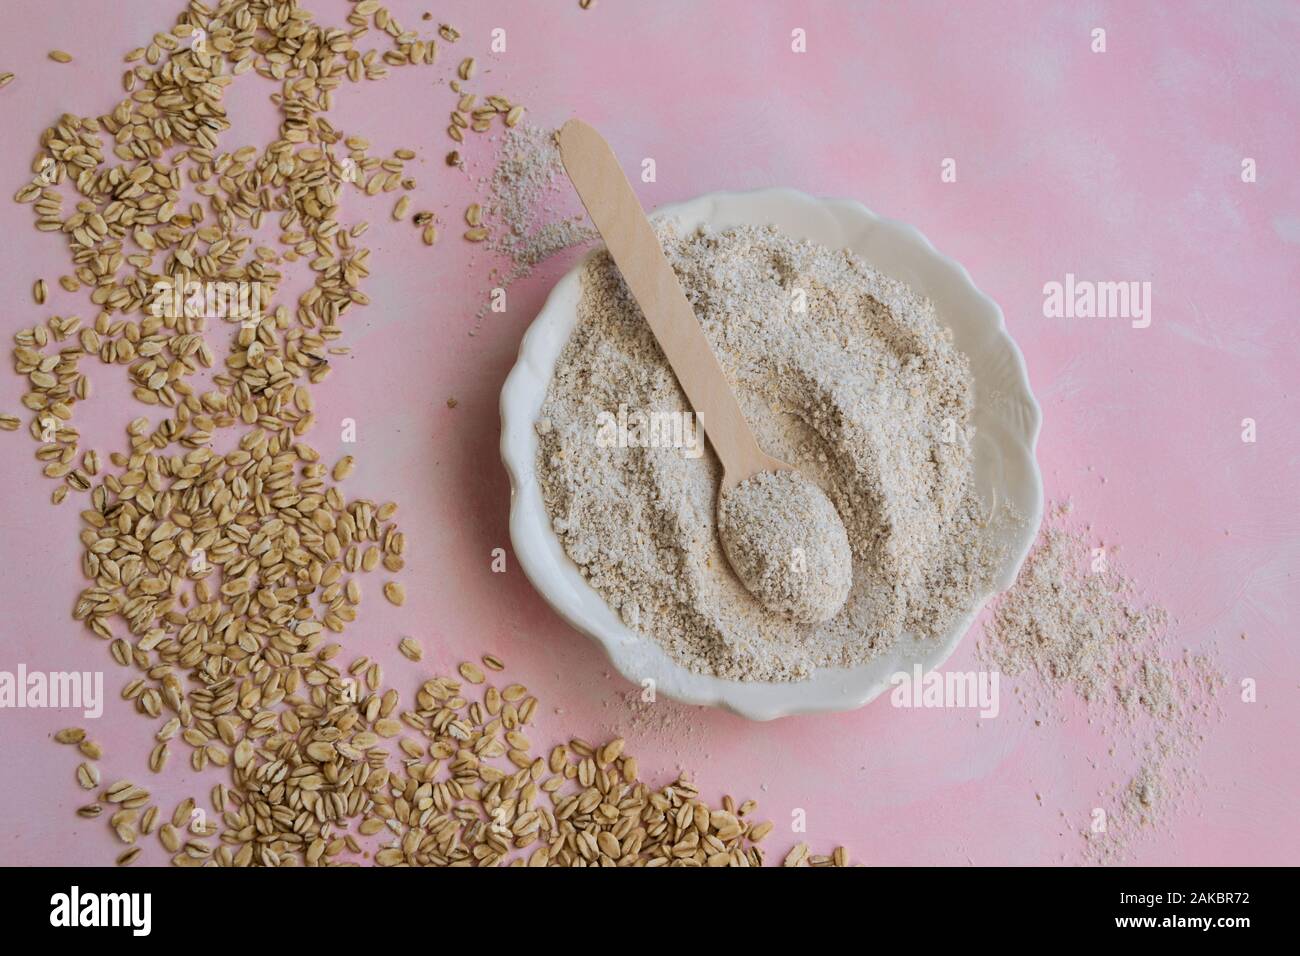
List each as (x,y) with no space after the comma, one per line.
(842,372)
(787,544)
(1074,624)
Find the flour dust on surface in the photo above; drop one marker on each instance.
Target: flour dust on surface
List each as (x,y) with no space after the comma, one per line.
(1075,627)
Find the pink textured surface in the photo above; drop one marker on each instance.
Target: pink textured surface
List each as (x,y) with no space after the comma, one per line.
(1115,166)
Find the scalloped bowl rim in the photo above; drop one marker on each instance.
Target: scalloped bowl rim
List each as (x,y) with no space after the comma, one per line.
(1012,441)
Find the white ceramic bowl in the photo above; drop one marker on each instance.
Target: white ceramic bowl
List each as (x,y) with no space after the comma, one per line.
(1006,419)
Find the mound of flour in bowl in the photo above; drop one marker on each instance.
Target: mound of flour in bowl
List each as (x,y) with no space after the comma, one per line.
(842,372)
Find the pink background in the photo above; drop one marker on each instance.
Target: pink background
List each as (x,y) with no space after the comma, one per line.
(1115,166)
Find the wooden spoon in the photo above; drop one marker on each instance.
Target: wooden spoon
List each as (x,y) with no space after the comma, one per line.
(817,587)
(634,247)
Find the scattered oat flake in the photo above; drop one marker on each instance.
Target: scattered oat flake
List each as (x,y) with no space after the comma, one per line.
(235,573)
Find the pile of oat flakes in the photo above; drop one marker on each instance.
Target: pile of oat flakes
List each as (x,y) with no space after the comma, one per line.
(224,581)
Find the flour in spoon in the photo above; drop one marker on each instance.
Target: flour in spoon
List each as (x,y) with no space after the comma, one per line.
(786,542)
(842,372)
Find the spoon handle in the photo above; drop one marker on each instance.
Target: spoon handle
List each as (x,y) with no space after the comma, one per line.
(635,249)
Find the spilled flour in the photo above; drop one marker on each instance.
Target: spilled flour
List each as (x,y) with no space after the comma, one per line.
(529,207)
(1074,623)
(528,198)
(842,372)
